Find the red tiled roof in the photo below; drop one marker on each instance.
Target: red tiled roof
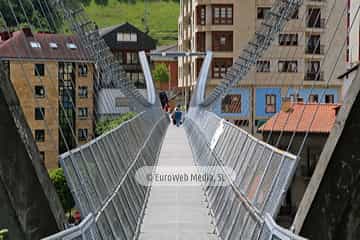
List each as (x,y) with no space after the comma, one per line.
(18,46)
(301,117)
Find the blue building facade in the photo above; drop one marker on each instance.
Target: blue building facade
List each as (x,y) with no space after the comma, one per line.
(262,93)
(305,93)
(260,101)
(245,104)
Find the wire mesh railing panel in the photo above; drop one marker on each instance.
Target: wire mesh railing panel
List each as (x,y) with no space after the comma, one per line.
(101,175)
(262,175)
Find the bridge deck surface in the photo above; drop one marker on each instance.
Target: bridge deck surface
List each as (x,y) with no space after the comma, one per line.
(176,212)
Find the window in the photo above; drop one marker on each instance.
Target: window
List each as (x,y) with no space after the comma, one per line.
(83,112)
(329,98)
(262,12)
(288,39)
(287,66)
(39,69)
(231,103)
(220,67)
(53,45)
(83,70)
(313,98)
(132,58)
(35,44)
(119,56)
(82,134)
(126,37)
(222,41)
(200,41)
(314,18)
(39,91)
(263,66)
(39,113)
(39,135)
(222,14)
(201,15)
(313,71)
(83,92)
(270,104)
(313,45)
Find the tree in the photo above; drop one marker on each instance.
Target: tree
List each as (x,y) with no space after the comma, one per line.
(161,73)
(29,12)
(58,179)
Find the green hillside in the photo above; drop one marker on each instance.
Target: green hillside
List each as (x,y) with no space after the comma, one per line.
(162,18)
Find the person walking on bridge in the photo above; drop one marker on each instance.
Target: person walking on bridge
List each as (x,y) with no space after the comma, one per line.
(178,116)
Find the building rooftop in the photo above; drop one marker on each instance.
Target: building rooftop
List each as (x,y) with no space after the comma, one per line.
(166,48)
(25,44)
(303,117)
(141,41)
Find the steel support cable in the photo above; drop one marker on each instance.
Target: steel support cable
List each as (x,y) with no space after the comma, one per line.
(251,155)
(22,66)
(327,84)
(260,44)
(45,66)
(287,91)
(299,39)
(84,57)
(332,73)
(316,76)
(104,152)
(319,105)
(196,128)
(65,141)
(89,42)
(117,72)
(273,75)
(31,89)
(26,78)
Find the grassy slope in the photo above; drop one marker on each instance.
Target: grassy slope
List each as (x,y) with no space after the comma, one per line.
(163,16)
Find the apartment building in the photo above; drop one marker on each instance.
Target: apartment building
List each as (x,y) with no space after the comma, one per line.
(353,44)
(294,68)
(53,79)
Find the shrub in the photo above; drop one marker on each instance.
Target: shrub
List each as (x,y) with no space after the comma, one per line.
(106,125)
(58,179)
(161,73)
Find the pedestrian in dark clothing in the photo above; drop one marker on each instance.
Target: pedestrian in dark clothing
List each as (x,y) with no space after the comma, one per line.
(177,116)
(163,100)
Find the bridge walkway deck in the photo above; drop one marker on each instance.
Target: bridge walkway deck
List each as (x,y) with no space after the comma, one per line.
(176,212)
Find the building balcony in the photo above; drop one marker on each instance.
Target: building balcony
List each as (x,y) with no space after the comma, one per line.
(319,24)
(314,76)
(318,50)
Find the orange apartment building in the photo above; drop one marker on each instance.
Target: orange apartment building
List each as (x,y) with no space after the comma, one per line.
(53,79)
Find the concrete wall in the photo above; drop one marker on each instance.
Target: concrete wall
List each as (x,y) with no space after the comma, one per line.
(29,205)
(314,143)
(330,208)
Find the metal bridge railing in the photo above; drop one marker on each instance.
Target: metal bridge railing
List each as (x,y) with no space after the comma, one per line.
(82,231)
(263,174)
(101,174)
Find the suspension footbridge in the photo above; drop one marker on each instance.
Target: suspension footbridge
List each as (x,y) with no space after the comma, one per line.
(103,173)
